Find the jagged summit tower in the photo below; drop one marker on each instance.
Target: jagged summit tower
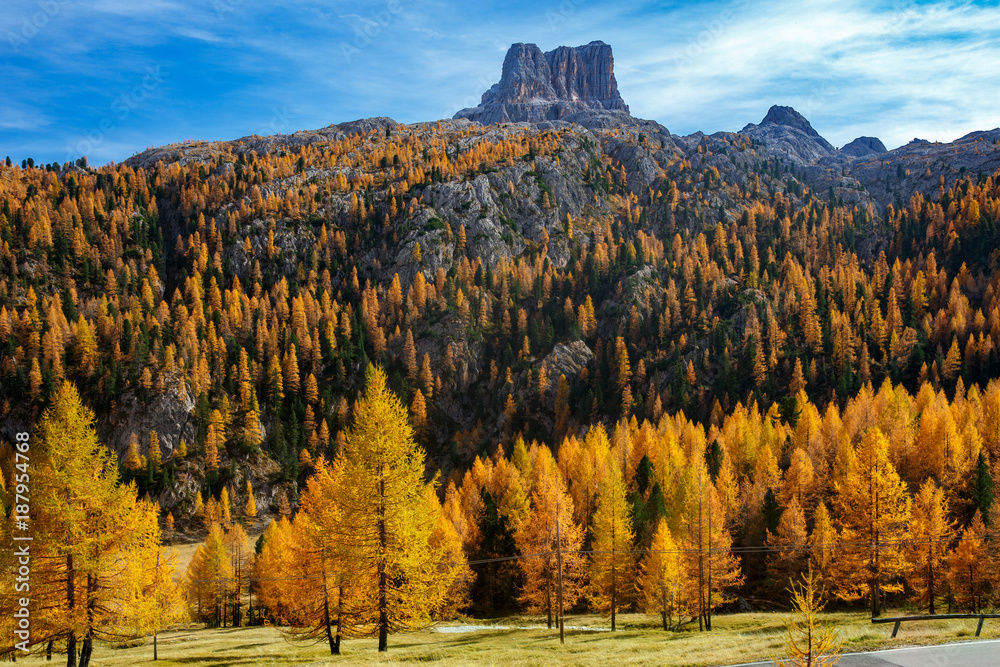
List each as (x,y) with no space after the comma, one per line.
(537,86)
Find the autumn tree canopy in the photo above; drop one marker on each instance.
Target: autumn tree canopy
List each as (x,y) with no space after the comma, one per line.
(97,571)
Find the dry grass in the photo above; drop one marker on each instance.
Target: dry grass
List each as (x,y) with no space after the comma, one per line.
(735,638)
(184,553)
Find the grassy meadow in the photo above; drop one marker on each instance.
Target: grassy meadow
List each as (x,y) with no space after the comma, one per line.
(524,640)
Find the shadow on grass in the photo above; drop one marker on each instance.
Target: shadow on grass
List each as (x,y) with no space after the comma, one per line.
(246,646)
(456,643)
(210,661)
(763,630)
(231,630)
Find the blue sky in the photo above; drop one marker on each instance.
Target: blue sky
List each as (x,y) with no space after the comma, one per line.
(109,78)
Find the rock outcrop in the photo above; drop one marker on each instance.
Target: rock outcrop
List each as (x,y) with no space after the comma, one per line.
(169,413)
(863,147)
(536,86)
(568,359)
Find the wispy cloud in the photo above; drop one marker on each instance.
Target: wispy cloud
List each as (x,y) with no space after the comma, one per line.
(848,66)
(200,35)
(145,9)
(25,120)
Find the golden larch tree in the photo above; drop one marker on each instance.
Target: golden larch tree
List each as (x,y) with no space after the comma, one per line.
(809,643)
(536,541)
(225,507)
(418,413)
(661,580)
(969,568)
(410,357)
(155,455)
(452,566)
(710,566)
(95,543)
(872,509)
(241,556)
(210,580)
(386,525)
(790,556)
(427,376)
(822,544)
(930,532)
(251,506)
(330,610)
(160,603)
(274,570)
(612,561)
(134,461)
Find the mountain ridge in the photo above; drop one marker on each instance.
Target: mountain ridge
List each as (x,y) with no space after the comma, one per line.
(577,86)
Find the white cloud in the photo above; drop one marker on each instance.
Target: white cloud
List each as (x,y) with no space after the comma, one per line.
(845,65)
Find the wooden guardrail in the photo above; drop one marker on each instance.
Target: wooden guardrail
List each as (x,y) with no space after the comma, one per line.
(934,617)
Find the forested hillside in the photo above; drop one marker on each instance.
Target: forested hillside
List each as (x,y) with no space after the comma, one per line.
(689,322)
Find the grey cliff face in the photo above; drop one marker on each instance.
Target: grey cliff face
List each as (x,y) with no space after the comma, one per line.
(537,86)
(526,77)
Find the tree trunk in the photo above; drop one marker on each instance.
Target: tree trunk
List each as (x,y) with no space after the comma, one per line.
(156,655)
(383,578)
(239,593)
(88,641)
(708,597)
(492,569)
(876,607)
(972,589)
(930,577)
(326,617)
(614,584)
(701,563)
(548,601)
(876,601)
(340,619)
(559,590)
(71,604)
(663,605)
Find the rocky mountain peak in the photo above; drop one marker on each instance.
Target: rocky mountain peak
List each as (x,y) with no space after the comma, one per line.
(863,147)
(536,86)
(787,131)
(789,117)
